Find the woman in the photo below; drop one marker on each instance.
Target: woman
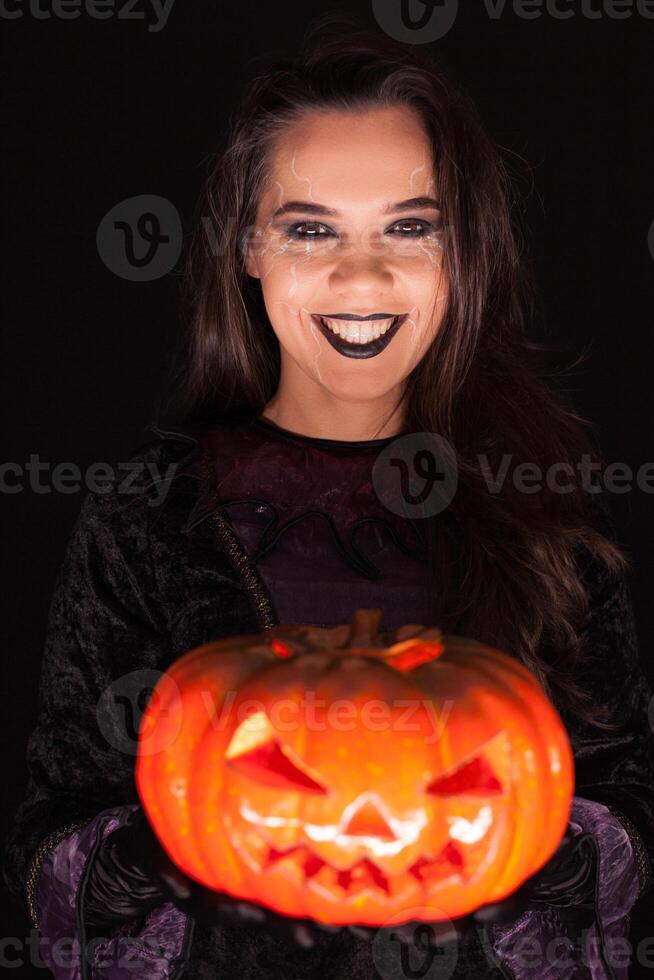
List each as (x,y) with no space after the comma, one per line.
(356,283)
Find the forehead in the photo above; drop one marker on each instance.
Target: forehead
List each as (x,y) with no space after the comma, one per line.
(351,161)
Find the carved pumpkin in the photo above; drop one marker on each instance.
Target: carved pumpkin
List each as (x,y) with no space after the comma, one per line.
(347,775)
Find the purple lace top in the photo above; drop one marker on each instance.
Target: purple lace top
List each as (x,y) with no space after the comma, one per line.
(306,511)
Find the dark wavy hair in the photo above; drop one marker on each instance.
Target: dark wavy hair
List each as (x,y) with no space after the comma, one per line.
(512,577)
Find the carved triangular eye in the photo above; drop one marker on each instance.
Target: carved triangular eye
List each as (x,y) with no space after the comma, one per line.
(474,776)
(255,751)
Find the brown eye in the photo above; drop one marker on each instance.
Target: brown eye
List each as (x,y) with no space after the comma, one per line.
(416,228)
(475,776)
(307,231)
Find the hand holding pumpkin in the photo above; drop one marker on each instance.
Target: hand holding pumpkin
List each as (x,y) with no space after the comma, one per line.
(132,874)
(428,814)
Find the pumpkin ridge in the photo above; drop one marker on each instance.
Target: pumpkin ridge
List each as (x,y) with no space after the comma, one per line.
(518,849)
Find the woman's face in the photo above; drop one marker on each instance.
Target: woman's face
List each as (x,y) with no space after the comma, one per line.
(348,247)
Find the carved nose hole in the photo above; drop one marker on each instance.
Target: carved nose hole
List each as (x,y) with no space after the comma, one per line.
(368,822)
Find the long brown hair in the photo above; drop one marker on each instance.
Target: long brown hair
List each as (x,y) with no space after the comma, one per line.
(512,577)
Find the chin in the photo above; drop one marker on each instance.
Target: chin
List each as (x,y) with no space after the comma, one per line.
(351,390)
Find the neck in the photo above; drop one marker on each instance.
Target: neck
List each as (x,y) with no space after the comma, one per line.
(333,418)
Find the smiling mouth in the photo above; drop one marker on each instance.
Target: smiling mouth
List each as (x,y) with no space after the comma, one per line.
(359,336)
(364,873)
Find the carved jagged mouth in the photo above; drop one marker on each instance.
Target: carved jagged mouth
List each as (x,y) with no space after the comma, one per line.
(364,873)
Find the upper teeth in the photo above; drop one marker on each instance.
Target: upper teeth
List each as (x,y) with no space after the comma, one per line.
(360,332)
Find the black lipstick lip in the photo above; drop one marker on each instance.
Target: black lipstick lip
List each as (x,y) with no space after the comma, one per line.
(371,349)
(356,316)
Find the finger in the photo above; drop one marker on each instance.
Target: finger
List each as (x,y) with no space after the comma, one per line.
(251,913)
(453,929)
(501,913)
(405,933)
(567,839)
(432,934)
(361,932)
(176,883)
(299,930)
(562,855)
(302,935)
(419,935)
(436,934)
(211,907)
(327,927)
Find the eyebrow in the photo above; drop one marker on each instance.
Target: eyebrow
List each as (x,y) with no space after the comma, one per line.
(411,204)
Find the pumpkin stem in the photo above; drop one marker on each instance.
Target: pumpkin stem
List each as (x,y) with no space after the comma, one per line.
(364,631)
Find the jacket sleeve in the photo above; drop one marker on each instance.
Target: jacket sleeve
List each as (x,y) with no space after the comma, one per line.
(148,949)
(617,769)
(614,794)
(106,645)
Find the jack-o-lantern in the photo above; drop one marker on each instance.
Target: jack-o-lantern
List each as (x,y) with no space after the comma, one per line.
(348,775)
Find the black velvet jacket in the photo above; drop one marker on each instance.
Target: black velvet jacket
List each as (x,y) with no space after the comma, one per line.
(147,577)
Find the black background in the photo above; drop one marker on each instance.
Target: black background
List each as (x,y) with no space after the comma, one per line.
(98,111)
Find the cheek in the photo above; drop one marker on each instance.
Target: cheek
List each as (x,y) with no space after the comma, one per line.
(429,289)
(288,284)
(288,266)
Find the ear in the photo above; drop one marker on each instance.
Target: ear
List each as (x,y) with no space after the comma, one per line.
(251,264)
(251,243)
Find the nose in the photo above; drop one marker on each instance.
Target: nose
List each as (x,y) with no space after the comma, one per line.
(361,273)
(367,821)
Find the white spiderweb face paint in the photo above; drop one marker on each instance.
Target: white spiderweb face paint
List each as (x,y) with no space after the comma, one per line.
(344,249)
